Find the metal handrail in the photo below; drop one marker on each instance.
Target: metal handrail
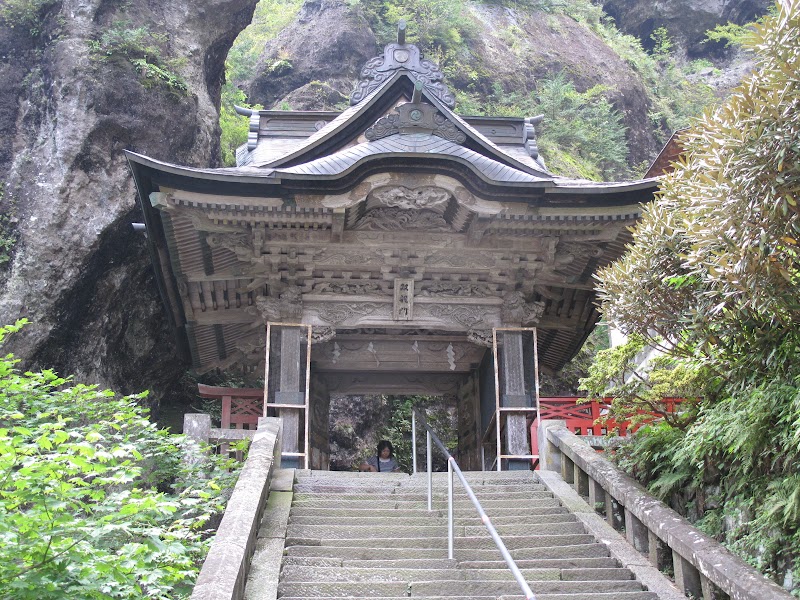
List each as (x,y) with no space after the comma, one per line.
(452,466)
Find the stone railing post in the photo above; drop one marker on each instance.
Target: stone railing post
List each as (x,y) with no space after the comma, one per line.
(549,454)
(196,427)
(701,565)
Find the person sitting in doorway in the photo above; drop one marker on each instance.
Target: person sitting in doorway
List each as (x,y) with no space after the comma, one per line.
(383,461)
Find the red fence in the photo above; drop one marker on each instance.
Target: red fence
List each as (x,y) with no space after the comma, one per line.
(581,418)
(241,407)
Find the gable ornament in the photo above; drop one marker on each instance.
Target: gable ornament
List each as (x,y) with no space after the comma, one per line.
(416,117)
(406,57)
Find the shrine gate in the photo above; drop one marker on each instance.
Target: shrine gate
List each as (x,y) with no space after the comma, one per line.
(391,248)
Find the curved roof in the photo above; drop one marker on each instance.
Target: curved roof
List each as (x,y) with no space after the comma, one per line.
(409,145)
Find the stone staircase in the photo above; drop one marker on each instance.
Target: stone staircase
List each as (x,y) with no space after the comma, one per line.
(364,535)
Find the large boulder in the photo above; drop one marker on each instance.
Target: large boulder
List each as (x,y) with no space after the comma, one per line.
(318,57)
(685,20)
(329,42)
(69,106)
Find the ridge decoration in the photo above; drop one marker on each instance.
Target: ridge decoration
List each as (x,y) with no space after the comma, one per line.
(416,117)
(405,57)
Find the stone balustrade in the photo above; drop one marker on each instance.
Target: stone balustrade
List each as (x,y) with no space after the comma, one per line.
(224,571)
(702,566)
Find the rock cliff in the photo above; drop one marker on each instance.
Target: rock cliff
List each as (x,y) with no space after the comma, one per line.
(685,20)
(72,100)
(315,61)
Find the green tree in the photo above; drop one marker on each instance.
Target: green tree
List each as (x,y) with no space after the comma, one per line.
(585,125)
(641,391)
(714,269)
(714,265)
(95,502)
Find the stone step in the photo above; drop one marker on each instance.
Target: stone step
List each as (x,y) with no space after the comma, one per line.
(495,512)
(393,598)
(443,563)
(402,563)
(439,519)
(387,503)
(560,552)
(473,477)
(403,494)
(371,488)
(605,562)
(512,542)
(336,574)
(329,532)
(573,596)
(367,572)
(464,589)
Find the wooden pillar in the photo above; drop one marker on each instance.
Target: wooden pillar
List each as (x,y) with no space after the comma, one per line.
(513,395)
(289,391)
(319,407)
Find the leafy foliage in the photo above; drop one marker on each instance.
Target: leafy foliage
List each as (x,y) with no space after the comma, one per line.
(234,126)
(434,25)
(24,14)
(269,18)
(582,134)
(584,124)
(714,269)
(95,502)
(715,262)
(143,49)
(735,470)
(8,233)
(640,391)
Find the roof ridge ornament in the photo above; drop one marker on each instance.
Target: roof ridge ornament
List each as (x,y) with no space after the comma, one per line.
(401,56)
(416,117)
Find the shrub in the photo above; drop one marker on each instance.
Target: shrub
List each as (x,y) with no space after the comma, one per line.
(144,50)
(24,14)
(95,502)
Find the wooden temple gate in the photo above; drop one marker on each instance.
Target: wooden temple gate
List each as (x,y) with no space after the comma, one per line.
(391,248)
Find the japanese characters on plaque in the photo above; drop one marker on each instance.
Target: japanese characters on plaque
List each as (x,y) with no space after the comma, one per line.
(403,299)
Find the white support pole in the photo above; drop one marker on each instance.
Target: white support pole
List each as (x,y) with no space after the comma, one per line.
(450,508)
(414,440)
(430,472)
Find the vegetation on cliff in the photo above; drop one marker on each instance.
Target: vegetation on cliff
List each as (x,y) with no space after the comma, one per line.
(586,129)
(713,279)
(95,501)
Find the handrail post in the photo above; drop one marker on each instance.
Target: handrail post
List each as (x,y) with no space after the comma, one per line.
(414,440)
(430,471)
(450,508)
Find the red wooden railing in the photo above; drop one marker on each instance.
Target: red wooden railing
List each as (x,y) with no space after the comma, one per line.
(581,418)
(241,407)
